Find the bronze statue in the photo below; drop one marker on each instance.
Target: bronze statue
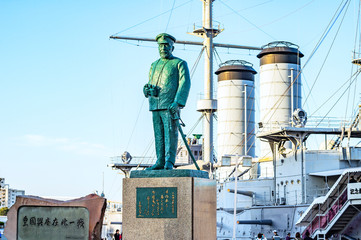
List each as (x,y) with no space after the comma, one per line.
(167,91)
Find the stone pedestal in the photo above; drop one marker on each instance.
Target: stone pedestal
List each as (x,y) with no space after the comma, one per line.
(169,205)
(37,218)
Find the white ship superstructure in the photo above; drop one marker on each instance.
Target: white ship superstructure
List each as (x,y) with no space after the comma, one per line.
(278,191)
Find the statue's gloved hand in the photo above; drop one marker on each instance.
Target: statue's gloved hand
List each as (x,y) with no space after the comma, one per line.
(146,90)
(174,108)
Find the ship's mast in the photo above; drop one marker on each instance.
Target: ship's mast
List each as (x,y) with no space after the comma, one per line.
(208,82)
(207,105)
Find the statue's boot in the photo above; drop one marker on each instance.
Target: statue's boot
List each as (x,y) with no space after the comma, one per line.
(159,164)
(169,165)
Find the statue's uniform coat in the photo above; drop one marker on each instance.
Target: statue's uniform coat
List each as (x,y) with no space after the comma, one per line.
(172,77)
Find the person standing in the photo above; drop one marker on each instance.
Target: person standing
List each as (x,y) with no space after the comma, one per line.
(308,236)
(167,90)
(117,236)
(288,236)
(259,236)
(275,235)
(298,236)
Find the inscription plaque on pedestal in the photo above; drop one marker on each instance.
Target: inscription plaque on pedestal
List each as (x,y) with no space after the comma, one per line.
(40,222)
(157,202)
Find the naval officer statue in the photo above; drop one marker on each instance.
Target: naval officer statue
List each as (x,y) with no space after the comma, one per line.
(167,91)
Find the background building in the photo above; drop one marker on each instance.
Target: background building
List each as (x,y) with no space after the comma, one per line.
(8,195)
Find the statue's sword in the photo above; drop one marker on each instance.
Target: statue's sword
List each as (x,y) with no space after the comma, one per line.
(180,123)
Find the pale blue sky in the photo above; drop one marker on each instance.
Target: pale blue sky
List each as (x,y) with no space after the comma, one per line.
(70,97)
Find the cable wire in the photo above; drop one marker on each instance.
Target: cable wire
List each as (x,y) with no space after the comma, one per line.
(288,14)
(328,52)
(195,65)
(246,19)
(170,15)
(279,101)
(217,55)
(358,72)
(152,18)
(332,95)
(194,126)
(135,124)
(357,35)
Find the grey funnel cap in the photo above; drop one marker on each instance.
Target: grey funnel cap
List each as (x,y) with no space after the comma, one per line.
(280,52)
(236,69)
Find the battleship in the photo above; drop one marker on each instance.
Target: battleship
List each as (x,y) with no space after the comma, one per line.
(289,186)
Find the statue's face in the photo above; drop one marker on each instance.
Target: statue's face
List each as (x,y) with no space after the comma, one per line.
(165,49)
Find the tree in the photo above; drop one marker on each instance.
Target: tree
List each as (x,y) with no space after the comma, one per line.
(4,211)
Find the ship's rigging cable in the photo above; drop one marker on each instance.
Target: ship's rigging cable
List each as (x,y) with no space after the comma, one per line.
(215,116)
(195,125)
(355,44)
(147,148)
(244,9)
(288,14)
(308,89)
(135,124)
(332,95)
(189,16)
(356,73)
(187,25)
(241,143)
(323,37)
(161,14)
(195,65)
(170,15)
(217,55)
(329,27)
(249,135)
(329,50)
(246,19)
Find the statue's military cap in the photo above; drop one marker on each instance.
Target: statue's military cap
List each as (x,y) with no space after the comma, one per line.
(161,38)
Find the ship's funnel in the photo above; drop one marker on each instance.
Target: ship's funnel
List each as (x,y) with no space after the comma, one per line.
(280,87)
(236,114)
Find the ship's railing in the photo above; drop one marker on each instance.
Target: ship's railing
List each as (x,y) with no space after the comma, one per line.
(262,199)
(135,160)
(321,221)
(328,122)
(314,121)
(317,192)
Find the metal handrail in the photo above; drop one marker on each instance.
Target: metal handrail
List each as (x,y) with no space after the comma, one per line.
(318,216)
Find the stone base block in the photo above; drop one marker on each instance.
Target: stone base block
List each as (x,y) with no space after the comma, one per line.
(169,208)
(55,229)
